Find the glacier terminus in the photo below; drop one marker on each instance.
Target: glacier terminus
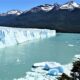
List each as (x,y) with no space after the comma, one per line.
(11,36)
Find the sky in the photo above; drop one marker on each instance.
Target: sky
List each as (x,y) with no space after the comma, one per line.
(6,5)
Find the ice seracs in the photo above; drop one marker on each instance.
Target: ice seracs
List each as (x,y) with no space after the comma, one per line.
(70,5)
(10,36)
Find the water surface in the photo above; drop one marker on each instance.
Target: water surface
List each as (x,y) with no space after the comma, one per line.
(15,61)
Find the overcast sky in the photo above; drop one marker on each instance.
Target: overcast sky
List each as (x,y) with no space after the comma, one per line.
(6,5)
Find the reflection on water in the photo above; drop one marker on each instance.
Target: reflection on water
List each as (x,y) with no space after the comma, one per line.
(16,60)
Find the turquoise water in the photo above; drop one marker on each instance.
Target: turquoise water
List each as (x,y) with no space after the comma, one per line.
(15,61)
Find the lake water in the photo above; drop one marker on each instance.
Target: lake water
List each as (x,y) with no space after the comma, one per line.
(15,61)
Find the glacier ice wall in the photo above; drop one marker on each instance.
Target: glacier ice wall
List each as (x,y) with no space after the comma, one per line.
(10,36)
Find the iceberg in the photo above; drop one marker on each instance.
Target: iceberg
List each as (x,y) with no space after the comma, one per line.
(52,68)
(11,36)
(38,73)
(46,65)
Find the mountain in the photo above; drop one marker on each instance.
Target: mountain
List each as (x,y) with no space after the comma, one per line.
(45,8)
(14,12)
(63,18)
(70,5)
(6,18)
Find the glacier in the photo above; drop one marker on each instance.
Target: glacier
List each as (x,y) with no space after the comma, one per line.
(11,36)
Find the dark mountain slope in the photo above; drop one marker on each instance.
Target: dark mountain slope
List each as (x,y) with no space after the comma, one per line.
(58,17)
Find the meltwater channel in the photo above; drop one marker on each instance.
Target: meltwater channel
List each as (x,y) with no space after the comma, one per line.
(16,60)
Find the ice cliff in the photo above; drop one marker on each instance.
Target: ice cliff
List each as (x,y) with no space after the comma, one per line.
(11,36)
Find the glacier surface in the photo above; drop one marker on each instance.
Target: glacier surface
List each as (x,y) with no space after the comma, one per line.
(11,36)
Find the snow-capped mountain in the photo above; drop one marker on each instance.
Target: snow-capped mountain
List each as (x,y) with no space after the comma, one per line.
(63,18)
(47,7)
(70,5)
(14,12)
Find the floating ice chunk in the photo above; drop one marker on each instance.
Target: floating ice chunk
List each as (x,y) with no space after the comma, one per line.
(76,58)
(50,68)
(18,60)
(49,64)
(41,74)
(67,68)
(61,69)
(70,45)
(53,72)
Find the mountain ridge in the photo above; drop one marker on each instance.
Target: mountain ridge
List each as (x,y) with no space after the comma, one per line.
(63,18)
